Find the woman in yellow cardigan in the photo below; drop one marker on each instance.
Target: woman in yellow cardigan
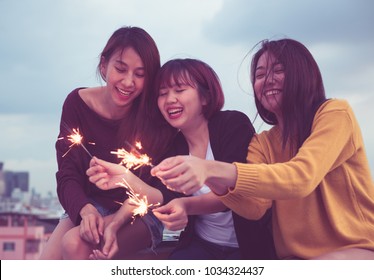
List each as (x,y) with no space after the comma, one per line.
(310,167)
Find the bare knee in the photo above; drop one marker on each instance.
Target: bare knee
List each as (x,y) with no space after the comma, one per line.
(52,249)
(73,246)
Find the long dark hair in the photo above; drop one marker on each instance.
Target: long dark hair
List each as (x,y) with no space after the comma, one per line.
(303,90)
(143,123)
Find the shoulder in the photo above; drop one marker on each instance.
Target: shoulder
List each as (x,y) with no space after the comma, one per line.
(272,134)
(337,111)
(334,105)
(74,104)
(90,95)
(228,117)
(73,96)
(334,109)
(230,122)
(230,133)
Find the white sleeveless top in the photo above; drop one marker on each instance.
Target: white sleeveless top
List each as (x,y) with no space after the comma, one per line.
(218,227)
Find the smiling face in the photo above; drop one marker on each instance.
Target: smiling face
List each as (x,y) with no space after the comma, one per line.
(268,83)
(181,105)
(124,74)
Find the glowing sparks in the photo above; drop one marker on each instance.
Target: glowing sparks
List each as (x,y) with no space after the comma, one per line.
(138,145)
(141,203)
(76,139)
(133,160)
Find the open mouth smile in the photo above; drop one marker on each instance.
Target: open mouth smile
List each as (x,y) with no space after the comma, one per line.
(123,92)
(174,112)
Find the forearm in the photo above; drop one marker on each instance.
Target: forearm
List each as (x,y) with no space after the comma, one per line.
(220,176)
(154,196)
(123,215)
(203,204)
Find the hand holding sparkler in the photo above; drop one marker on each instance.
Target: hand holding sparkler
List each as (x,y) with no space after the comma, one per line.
(139,201)
(105,175)
(184,174)
(173,215)
(109,246)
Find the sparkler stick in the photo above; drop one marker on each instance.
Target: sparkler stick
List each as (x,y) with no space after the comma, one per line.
(141,203)
(133,159)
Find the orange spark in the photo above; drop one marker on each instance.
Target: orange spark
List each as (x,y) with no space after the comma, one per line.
(133,160)
(76,139)
(141,203)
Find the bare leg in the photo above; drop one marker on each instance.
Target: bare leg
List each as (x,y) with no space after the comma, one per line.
(74,247)
(348,254)
(53,248)
(132,238)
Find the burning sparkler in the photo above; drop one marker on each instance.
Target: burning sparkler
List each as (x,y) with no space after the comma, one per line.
(133,160)
(76,139)
(141,203)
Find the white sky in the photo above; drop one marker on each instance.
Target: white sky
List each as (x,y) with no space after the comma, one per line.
(48,48)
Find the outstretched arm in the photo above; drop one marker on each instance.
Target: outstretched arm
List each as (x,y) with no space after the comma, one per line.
(187,174)
(106,175)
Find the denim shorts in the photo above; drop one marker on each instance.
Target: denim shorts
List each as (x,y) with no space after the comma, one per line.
(156,228)
(153,224)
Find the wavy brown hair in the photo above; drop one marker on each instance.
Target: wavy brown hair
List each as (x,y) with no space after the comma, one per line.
(303,90)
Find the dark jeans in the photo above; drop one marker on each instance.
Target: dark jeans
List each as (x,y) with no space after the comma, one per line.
(200,249)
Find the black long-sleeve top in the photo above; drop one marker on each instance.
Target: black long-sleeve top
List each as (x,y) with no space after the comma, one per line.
(100,138)
(229,134)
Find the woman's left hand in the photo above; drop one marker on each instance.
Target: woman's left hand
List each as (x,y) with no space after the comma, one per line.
(110,246)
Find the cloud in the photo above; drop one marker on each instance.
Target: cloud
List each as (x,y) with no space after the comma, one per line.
(27,144)
(28,135)
(51,52)
(48,48)
(242,21)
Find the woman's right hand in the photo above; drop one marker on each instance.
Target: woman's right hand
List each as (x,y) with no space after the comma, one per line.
(173,215)
(105,175)
(184,174)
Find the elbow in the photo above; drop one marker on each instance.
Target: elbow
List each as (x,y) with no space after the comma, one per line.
(257,212)
(250,214)
(301,189)
(302,184)
(258,215)
(255,209)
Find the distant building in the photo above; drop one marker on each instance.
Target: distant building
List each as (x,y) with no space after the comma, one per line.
(2,180)
(21,238)
(15,181)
